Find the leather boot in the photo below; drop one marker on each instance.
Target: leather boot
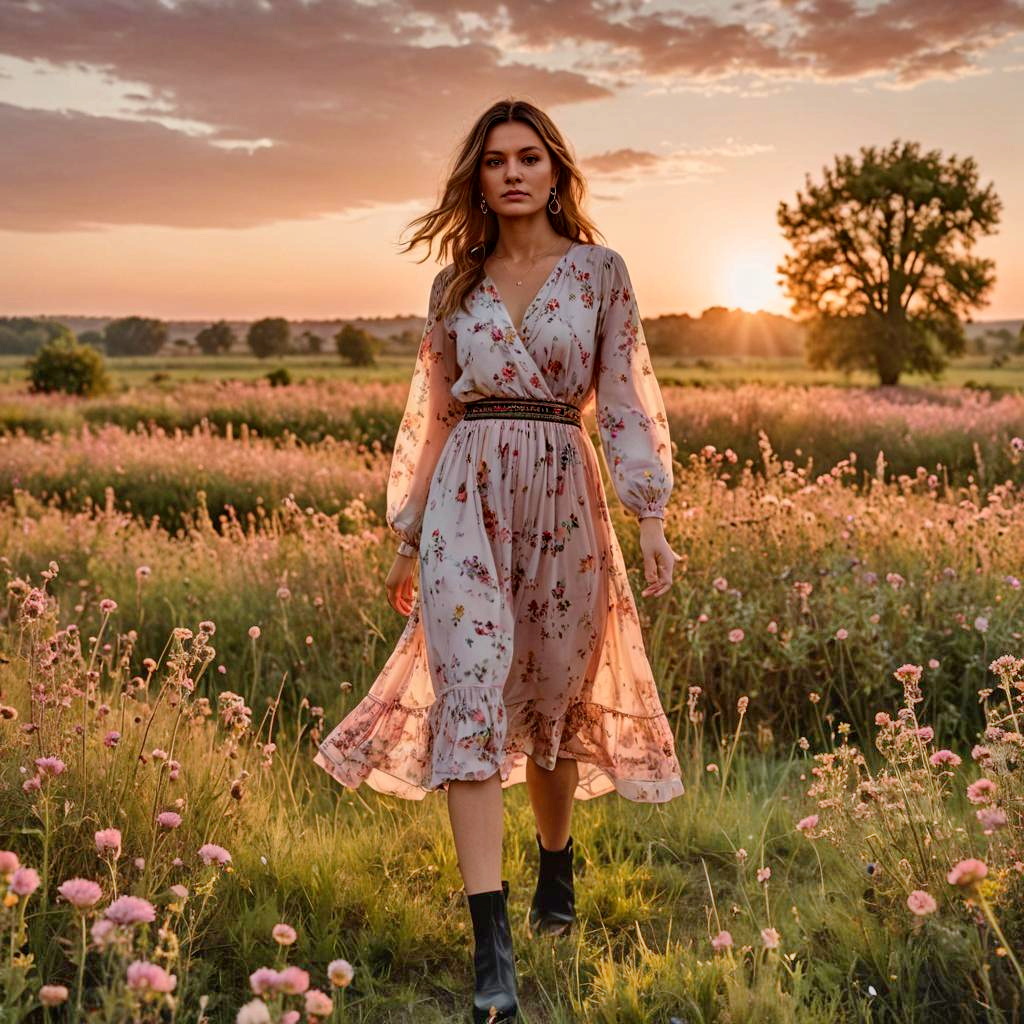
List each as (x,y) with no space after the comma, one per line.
(554,902)
(493,960)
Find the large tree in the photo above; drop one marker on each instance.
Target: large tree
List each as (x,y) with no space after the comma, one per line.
(134,336)
(881,272)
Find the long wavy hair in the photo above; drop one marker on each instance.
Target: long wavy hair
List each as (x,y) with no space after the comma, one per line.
(469,234)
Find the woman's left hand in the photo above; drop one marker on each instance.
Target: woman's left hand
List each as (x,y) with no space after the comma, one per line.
(659,558)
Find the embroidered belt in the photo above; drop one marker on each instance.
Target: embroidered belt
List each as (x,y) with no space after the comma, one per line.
(523,409)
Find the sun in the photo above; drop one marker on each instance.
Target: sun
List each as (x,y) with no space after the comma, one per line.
(750,283)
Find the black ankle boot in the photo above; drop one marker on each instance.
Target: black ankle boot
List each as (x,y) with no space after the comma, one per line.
(493,959)
(554,903)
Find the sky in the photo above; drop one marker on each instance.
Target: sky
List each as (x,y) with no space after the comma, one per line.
(198,159)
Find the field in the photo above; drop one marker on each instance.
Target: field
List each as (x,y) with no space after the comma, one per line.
(193,595)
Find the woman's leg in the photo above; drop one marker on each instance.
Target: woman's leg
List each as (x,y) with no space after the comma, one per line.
(551,796)
(475,810)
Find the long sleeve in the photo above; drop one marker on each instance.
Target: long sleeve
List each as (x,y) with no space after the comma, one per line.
(430,414)
(630,409)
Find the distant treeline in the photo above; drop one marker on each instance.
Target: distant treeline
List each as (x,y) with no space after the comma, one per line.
(724,332)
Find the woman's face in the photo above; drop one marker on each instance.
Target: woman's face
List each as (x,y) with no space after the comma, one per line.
(515,158)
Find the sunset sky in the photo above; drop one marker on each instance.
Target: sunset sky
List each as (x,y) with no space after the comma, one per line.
(242,159)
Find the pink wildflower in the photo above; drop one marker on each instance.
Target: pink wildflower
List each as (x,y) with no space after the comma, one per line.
(968,873)
(108,841)
(736,635)
(211,853)
(130,910)
(146,977)
(944,757)
(340,972)
(264,979)
(294,980)
(81,893)
(982,791)
(50,765)
(921,903)
(284,934)
(806,824)
(318,1004)
(9,862)
(991,818)
(770,937)
(168,819)
(723,940)
(53,995)
(24,881)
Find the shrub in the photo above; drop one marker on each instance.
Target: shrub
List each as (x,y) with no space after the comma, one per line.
(65,365)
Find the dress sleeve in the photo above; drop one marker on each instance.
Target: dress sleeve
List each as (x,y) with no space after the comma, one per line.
(630,409)
(430,414)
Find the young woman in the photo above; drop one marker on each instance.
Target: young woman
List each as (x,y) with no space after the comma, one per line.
(522,658)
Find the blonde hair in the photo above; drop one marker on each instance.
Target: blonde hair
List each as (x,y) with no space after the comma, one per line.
(468,233)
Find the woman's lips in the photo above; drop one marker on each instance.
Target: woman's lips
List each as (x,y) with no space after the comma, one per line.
(514,195)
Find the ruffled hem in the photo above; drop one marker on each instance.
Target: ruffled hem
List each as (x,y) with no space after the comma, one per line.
(469,733)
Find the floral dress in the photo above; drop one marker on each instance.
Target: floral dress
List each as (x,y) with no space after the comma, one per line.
(524,639)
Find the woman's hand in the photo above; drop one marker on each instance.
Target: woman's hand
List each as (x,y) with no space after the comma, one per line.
(659,559)
(399,583)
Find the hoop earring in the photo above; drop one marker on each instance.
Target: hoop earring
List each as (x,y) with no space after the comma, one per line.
(483,206)
(558,206)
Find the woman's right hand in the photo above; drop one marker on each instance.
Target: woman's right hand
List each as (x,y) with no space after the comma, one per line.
(399,583)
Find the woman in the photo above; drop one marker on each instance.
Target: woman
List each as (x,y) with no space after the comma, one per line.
(522,658)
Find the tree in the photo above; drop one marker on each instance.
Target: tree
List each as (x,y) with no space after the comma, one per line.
(356,345)
(64,365)
(134,336)
(882,272)
(25,335)
(314,342)
(218,337)
(269,336)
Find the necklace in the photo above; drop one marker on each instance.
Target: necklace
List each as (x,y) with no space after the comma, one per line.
(532,262)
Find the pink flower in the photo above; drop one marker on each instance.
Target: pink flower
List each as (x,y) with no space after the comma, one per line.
(214,854)
(925,733)
(921,903)
(981,624)
(168,819)
(108,605)
(720,583)
(102,932)
(254,632)
(770,937)
(291,1017)
(980,753)
(340,972)
(146,977)
(108,841)
(982,791)
(735,635)
(81,893)
(53,995)
(772,627)
(24,881)
(180,891)
(841,634)
(991,818)
(294,980)
(264,979)
(882,719)
(110,740)
(50,765)
(254,1012)
(723,940)
(30,785)
(806,824)
(130,910)
(763,874)
(9,862)
(968,873)
(284,934)
(944,757)
(318,1004)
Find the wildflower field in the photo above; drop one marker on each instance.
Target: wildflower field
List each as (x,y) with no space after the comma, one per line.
(194,594)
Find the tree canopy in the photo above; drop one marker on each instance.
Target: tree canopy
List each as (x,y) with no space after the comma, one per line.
(881,271)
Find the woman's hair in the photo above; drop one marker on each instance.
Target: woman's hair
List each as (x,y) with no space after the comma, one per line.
(466,231)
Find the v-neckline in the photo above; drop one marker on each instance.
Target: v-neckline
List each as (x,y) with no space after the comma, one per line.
(539,292)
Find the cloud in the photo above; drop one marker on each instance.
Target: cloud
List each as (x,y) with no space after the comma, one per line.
(245,112)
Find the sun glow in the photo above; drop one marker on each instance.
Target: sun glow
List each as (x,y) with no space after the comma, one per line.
(750,283)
